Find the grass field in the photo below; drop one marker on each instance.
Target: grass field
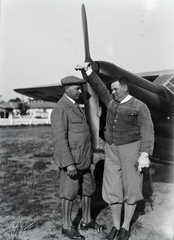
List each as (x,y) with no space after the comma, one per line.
(30,207)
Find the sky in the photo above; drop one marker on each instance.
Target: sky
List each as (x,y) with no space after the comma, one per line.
(41,41)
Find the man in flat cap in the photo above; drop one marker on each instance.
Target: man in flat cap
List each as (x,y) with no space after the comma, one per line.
(73,155)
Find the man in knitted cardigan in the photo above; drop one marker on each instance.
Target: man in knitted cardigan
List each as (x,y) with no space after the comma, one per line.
(129,138)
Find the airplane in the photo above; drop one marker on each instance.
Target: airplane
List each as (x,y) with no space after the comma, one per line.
(155,89)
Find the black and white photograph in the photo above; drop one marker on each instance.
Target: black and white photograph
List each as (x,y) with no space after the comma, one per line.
(86,120)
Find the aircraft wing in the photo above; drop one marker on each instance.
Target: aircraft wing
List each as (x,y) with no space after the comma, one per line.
(50,93)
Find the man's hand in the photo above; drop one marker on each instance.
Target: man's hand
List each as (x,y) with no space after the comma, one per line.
(99,113)
(143,161)
(84,66)
(72,170)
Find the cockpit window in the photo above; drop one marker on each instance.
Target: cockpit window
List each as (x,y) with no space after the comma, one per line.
(172,80)
(170,84)
(151,78)
(167,81)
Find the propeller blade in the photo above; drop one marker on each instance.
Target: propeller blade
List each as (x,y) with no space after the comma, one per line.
(86,40)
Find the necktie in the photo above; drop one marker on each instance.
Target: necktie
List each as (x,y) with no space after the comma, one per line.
(77,105)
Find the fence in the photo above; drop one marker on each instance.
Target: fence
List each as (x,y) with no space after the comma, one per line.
(23,121)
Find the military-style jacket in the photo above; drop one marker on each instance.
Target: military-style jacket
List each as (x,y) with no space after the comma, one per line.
(125,122)
(72,138)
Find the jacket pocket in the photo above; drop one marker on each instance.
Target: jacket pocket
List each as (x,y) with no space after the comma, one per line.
(76,120)
(78,125)
(132,116)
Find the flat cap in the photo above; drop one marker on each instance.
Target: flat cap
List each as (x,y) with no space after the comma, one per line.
(72,80)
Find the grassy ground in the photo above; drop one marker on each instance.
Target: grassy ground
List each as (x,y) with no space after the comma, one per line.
(30,208)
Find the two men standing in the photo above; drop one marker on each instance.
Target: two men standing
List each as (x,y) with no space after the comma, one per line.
(129,138)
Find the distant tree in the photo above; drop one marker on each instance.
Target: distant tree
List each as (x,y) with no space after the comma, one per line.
(15,100)
(22,106)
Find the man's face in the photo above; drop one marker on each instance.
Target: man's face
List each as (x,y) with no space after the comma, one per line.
(74,91)
(119,92)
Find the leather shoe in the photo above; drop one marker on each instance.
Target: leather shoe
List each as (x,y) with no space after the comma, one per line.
(113,233)
(72,233)
(123,234)
(92,225)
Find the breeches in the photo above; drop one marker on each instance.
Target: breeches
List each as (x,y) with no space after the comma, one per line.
(82,184)
(121,181)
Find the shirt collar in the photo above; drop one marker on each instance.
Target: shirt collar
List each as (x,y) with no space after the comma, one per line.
(126,99)
(70,99)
